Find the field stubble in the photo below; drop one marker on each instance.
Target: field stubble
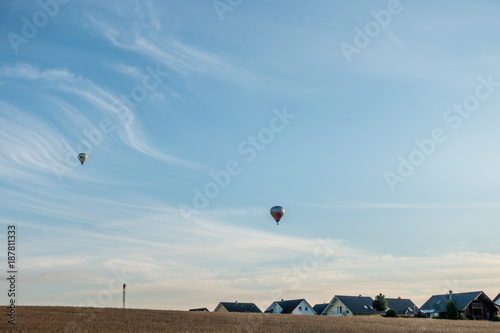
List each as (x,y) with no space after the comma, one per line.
(46,319)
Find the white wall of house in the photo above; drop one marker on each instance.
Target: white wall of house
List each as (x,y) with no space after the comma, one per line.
(303,309)
(277,308)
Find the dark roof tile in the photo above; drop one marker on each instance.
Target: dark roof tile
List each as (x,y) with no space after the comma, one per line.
(319,308)
(287,306)
(438,302)
(240,307)
(402,305)
(358,304)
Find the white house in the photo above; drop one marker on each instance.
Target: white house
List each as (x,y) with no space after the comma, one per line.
(296,306)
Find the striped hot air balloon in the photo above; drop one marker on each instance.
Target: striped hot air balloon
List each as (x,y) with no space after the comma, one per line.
(277,213)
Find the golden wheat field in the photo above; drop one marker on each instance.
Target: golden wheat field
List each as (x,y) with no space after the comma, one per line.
(75,320)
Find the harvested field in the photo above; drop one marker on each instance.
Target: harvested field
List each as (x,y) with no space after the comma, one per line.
(73,319)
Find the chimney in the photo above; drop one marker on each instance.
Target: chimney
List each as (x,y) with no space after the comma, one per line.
(235,302)
(282,299)
(399,297)
(359,295)
(450,294)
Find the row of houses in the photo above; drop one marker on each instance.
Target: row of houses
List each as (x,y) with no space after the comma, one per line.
(473,305)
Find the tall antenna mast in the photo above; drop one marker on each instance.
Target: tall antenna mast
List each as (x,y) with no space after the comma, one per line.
(124,285)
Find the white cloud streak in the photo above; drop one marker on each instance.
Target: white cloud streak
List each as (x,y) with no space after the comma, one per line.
(468,205)
(104,102)
(167,257)
(180,57)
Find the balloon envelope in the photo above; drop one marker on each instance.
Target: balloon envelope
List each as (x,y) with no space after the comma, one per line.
(277,213)
(82,157)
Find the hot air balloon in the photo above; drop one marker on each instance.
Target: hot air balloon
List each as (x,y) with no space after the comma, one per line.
(277,213)
(82,157)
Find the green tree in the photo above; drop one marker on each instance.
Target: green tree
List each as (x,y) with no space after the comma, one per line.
(451,310)
(391,313)
(380,303)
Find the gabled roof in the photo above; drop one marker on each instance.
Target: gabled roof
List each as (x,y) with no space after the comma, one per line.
(319,308)
(239,307)
(437,303)
(402,306)
(200,309)
(357,304)
(497,299)
(288,306)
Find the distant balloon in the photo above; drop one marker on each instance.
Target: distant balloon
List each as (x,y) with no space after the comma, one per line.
(82,157)
(277,213)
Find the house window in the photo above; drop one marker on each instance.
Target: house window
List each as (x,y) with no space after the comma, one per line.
(339,310)
(300,308)
(307,308)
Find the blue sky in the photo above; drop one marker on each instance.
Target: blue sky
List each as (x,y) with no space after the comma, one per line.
(374,123)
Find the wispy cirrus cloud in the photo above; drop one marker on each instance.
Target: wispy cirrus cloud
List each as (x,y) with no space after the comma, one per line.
(214,254)
(151,242)
(105,104)
(405,205)
(125,69)
(178,56)
(29,72)
(28,145)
